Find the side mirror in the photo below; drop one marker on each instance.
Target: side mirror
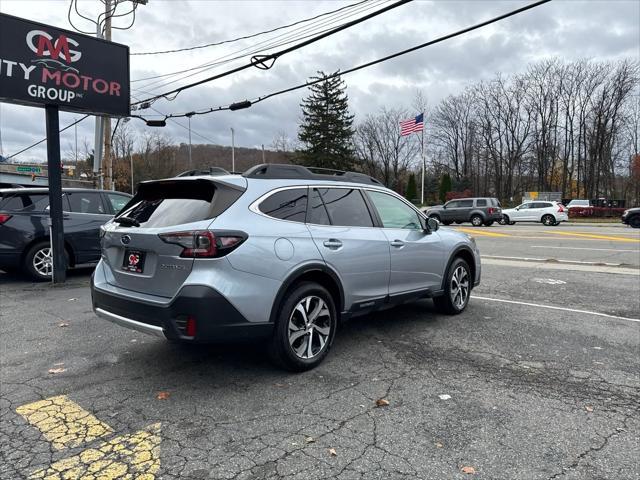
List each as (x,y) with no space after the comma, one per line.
(433,224)
(517,208)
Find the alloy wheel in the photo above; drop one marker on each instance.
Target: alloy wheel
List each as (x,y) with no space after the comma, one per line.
(309,327)
(459,287)
(42,262)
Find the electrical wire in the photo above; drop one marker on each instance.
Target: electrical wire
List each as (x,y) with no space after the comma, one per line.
(457,33)
(261,62)
(297,34)
(253,35)
(45,138)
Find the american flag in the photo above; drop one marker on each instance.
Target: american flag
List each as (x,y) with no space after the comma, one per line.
(416,124)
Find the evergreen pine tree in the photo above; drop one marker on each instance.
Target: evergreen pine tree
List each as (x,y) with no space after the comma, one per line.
(445,186)
(412,190)
(326,130)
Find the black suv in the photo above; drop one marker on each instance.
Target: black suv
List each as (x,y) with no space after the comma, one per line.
(478,211)
(24,227)
(632,217)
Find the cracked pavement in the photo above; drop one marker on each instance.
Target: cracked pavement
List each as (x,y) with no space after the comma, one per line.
(534,393)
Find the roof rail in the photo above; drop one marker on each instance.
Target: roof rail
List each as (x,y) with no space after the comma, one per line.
(282,171)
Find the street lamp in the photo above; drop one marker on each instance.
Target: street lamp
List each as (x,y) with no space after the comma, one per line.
(233,151)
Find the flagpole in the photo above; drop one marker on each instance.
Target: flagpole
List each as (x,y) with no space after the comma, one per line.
(423,162)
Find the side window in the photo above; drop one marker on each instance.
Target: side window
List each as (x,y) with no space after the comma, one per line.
(465,203)
(318,214)
(393,212)
(86,202)
(346,207)
(481,202)
(286,205)
(525,206)
(117,201)
(452,204)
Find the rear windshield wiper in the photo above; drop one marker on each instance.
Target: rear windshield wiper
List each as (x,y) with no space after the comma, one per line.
(127,221)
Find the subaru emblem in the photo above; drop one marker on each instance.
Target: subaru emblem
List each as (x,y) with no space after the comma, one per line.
(125,239)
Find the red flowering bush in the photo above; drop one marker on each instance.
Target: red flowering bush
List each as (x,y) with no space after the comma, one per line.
(453,195)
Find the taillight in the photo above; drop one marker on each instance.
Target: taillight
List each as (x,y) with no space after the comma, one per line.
(490,210)
(4,217)
(560,208)
(204,244)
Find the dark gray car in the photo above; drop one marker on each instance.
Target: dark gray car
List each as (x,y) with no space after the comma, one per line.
(478,211)
(24,230)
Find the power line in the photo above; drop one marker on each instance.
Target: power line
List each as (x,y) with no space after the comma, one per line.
(248,103)
(45,138)
(253,35)
(262,61)
(298,34)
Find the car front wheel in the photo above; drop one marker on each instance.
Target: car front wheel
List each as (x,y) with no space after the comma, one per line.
(635,221)
(305,328)
(457,289)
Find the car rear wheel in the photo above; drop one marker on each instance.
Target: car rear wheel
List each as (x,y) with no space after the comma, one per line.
(635,221)
(457,290)
(304,329)
(549,220)
(38,262)
(476,220)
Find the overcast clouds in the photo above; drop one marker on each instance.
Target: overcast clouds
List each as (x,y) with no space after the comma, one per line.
(569,29)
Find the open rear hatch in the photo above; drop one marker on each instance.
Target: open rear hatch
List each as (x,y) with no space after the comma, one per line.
(138,251)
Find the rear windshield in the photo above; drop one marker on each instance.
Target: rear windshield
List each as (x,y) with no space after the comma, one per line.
(167,203)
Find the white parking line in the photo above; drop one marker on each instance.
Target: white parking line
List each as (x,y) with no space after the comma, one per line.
(554,260)
(584,248)
(550,307)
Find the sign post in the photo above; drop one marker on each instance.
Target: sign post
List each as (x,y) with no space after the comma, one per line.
(58,258)
(44,66)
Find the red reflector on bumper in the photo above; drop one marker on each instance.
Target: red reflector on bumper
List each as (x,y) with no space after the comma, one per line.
(190,329)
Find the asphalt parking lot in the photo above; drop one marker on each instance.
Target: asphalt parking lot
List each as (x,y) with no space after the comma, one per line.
(538,379)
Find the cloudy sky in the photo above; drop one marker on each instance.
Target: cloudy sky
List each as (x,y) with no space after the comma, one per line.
(568,29)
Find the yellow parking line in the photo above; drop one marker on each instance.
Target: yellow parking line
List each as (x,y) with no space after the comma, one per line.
(125,457)
(593,235)
(474,231)
(64,423)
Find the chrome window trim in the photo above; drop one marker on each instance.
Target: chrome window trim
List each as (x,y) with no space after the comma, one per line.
(254,206)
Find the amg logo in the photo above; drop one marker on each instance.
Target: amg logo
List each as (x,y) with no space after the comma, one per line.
(171,266)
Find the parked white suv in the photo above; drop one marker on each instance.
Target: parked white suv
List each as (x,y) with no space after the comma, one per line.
(547,213)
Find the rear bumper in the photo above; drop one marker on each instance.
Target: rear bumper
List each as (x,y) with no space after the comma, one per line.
(217,320)
(9,259)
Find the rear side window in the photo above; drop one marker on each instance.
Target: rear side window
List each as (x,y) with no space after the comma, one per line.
(175,202)
(286,205)
(345,207)
(465,203)
(35,202)
(481,202)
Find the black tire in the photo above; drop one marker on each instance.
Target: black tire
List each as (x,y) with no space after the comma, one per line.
(634,221)
(445,303)
(489,223)
(476,221)
(283,351)
(447,222)
(512,223)
(36,252)
(458,222)
(504,220)
(549,220)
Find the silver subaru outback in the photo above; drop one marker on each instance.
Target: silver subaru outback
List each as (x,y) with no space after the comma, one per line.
(281,252)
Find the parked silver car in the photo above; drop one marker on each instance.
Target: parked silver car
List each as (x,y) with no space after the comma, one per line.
(279,252)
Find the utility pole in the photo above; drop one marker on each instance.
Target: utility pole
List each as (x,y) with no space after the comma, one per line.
(233,151)
(108,160)
(189,115)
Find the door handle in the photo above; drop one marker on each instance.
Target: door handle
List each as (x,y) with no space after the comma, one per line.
(397,243)
(332,244)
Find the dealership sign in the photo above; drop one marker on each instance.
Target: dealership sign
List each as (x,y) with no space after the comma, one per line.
(42,65)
